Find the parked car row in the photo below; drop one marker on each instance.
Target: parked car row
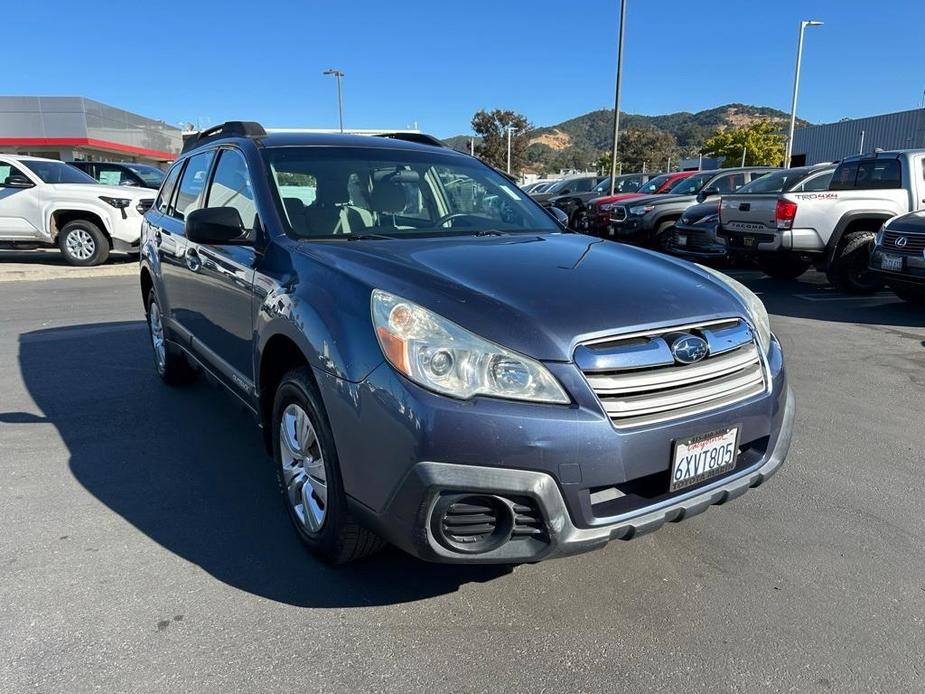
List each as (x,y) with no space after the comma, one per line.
(786,220)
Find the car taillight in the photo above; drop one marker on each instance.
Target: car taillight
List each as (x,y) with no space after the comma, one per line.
(784,214)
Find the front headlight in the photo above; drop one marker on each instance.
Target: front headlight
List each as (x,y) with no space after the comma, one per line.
(609,206)
(756,310)
(443,357)
(118,203)
(641,210)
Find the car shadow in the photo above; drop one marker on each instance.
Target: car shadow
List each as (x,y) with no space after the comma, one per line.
(187,467)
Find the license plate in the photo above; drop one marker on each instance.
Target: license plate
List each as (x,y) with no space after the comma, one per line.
(680,240)
(701,457)
(891,262)
(748,241)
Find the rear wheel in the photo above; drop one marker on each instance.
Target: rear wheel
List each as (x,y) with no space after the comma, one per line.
(784,266)
(83,243)
(908,292)
(309,474)
(848,270)
(172,368)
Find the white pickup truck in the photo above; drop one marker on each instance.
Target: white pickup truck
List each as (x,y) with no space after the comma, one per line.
(44,202)
(832,229)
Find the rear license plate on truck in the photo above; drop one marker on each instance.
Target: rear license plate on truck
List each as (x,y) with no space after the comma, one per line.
(891,262)
(701,457)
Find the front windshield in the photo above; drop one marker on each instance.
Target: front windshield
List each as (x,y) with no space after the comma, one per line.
(776,182)
(602,187)
(654,184)
(343,192)
(57,172)
(692,184)
(149,174)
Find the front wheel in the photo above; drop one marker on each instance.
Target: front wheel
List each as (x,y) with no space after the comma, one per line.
(783,266)
(663,236)
(907,292)
(309,474)
(83,244)
(848,270)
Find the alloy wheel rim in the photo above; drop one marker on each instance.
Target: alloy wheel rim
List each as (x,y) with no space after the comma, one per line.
(157,336)
(303,469)
(80,244)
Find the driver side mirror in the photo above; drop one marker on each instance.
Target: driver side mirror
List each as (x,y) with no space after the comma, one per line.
(17,181)
(560,216)
(217,225)
(706,193)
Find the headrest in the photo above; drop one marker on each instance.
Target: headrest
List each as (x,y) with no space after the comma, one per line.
(388,196)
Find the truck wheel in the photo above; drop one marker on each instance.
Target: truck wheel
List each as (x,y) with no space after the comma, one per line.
(82,243)
(848,269)
(172,368)
(908,292)
(309,474)
(783,266)
(664,235)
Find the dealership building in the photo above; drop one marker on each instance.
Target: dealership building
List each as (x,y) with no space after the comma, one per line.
(834,141)
(73,127)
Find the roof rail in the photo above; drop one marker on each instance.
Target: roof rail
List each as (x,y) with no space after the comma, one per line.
(232,128)
(420,138)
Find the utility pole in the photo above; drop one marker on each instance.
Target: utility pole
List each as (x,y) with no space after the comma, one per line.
(510,129)
(744,149)
(338,75)
(471,146)
(796,87)
(616,106)
(668,168)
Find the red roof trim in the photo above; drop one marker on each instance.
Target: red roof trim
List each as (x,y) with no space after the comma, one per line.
(85,142)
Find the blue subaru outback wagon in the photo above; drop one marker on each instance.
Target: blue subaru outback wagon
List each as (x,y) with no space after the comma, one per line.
(437,363)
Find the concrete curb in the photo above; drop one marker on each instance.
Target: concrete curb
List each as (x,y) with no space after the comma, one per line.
(32,273)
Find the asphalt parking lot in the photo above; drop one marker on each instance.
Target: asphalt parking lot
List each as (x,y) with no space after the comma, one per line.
(143,547)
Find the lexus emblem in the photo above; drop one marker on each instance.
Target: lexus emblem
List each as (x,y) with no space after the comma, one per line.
(687,349)
(901,242)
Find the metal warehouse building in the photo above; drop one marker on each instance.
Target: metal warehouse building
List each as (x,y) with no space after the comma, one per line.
(72,127)
(819,143)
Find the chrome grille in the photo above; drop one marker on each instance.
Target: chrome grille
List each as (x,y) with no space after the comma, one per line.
(914,243)
(638,382)
(618,214)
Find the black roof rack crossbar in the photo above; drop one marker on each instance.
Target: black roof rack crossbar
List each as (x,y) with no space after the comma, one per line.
(232,128)
(420,138)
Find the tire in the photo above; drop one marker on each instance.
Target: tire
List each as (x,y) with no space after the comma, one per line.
(309,476)
(783,266)
(172,368)
(663,236)
(848,269)
(908,292)
(83,243)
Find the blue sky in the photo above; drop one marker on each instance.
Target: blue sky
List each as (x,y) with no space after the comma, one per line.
(436,63)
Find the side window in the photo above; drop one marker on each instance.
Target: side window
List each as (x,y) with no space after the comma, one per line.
(583,185)
(167,187)
(8,170)
(729,184)
(112,175)
(231,187)
(817,183)
(192,185)
(868,174)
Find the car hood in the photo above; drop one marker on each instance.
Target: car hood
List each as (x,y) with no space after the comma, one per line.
(537,294)
(94,191)
(614,198)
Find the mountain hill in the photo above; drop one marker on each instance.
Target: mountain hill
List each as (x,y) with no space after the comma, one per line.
(577,141)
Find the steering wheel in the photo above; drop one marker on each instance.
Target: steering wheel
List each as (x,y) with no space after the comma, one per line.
(450,217)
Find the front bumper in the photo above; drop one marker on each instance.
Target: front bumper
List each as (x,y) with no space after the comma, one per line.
(772,241)
(700,243)
(912,272)
(427,480)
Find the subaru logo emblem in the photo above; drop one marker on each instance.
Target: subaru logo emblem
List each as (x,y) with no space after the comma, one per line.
(901,242)
(687,349)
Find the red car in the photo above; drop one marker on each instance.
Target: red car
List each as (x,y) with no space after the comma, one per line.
(597,213)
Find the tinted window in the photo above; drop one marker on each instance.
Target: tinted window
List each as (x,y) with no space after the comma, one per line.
(57,172)
(867,174)
(582,185)
(776,182)
(114,175)
(192,184)
(7,170)
(166,191)
(728,184)
(816,183)
(654,184)
(152,176)
(691,185)
(231,187)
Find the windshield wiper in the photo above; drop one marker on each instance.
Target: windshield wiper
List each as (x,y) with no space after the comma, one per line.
(367,237)
(490,232)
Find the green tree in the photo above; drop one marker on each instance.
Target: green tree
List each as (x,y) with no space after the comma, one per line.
(647,146)
(761,141)
(492,127)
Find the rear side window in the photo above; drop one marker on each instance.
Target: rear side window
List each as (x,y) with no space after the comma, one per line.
(192,185)
(868,174)
(817,183)
(728,184)
(111,175)
(166,191)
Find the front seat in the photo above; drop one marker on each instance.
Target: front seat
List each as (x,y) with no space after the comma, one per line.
(329,213)
(388,198)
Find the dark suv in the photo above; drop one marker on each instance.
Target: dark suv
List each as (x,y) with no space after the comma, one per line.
(436,362)
(114,173)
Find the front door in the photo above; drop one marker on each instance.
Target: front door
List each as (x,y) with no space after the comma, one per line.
(20,211)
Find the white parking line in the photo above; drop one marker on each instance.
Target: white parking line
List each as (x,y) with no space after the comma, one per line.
(844,297)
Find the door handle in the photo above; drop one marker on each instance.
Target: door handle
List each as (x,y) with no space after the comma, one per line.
(193,261)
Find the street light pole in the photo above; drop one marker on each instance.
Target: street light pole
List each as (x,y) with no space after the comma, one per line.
(796,87)
(616,106)
(510,129)
(340,102)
